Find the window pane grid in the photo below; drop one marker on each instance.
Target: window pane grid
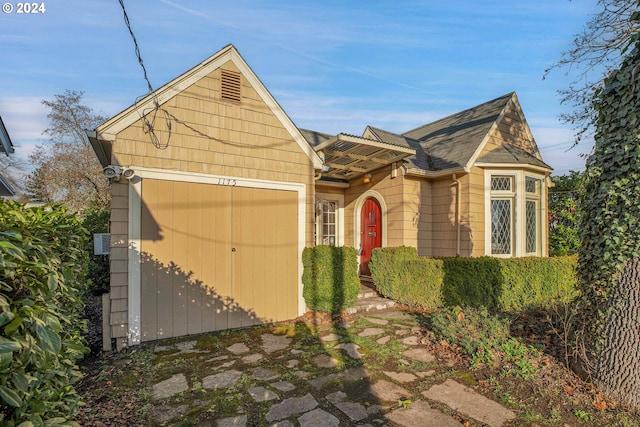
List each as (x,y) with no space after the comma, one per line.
(501,183)
(329,212)
(531,225)
(532,185)
(501,226)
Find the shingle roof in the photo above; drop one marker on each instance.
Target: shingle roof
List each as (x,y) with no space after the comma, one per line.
(315,138)
(452,141)
(510,154)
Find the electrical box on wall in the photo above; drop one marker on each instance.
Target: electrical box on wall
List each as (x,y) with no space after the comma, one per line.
(102,244)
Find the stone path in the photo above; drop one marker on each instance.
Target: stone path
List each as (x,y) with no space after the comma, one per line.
(277,382)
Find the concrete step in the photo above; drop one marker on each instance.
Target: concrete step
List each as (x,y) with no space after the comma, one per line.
(371,304)
(367,293)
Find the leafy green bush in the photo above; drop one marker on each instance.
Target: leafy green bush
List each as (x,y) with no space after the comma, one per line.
(96,220)
(538,282)
(387,264)
(42,275)
(475,282)
(486,339)
(513,284)
(330,278)
(505,284)
(417,283)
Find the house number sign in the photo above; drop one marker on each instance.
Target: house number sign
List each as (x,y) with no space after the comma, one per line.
(226,181)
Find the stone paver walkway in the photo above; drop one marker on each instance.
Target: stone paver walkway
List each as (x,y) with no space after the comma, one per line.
(278,382)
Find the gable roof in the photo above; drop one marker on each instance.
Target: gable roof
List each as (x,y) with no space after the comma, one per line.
(104,134)
(6,147)
(456,142)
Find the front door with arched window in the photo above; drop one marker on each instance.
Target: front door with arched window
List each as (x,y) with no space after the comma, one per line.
(370,232)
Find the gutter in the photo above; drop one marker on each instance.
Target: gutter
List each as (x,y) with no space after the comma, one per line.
(456,182)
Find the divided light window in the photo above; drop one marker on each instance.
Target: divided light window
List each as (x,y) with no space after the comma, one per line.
(532,215)
(502,201)
(515,214)
(230,85)
(329,222)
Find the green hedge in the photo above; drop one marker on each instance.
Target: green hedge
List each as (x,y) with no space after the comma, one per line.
(42,275)
(514,284)
(330,278)
(404,277)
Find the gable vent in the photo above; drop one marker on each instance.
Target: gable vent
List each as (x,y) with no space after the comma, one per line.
(230,86)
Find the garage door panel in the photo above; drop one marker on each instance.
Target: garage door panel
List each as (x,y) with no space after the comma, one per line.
(196,288)
(149,272)
(180,261)
(163,257)
(216,252)
(192,281)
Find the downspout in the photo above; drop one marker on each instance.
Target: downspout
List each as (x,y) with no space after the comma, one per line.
(458,198)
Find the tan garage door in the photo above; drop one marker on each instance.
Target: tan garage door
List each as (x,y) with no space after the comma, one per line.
(216,257)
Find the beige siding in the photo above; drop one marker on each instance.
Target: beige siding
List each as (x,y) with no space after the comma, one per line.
(119,224)
(473,215)
(209,136)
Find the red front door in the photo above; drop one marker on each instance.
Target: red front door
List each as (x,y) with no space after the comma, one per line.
(370,232)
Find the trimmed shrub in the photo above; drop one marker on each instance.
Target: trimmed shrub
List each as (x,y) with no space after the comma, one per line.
(330,278)
(514,284)
(416,283)
(387,264)
(42,275)
(473,282)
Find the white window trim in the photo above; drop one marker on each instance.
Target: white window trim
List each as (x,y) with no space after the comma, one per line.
(519,223)
(339,217)
(135,212)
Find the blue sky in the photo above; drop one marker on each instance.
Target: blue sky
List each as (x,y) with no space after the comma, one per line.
(334,66)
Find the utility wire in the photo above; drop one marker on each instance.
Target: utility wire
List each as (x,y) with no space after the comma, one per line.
(135,43)
(149,126)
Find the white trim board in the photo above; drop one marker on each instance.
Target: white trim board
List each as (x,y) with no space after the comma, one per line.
(135,211)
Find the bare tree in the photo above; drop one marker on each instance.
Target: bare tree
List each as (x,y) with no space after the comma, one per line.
(67,170)
(596,52)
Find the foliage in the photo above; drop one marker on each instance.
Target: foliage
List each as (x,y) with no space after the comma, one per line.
(486,339)
(564,234)
(597,50)
(387,265)
(611,218)
(43,266)
(96,220)
(496,283)
(330,278)
(67,170)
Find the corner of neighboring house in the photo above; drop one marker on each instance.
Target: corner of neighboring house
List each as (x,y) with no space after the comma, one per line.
(6,148)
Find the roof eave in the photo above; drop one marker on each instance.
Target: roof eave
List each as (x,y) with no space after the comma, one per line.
(436,174)
(101,144)
(545,169)
(6,190)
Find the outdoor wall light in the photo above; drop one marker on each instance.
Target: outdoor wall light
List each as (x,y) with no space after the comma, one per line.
(112,172)
(128,173)
(367,178)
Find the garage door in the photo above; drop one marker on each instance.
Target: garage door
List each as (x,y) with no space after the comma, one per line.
(216,257)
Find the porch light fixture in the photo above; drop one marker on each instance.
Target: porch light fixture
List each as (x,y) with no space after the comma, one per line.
(367,178)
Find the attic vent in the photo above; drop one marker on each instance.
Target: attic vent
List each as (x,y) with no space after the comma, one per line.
(230,86)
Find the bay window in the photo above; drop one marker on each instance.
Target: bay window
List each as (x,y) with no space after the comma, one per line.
(514,214)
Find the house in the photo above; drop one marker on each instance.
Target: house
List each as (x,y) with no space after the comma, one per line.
(215,193)
(6,147)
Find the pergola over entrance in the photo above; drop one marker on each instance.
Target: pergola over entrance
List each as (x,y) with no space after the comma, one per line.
(349,156)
